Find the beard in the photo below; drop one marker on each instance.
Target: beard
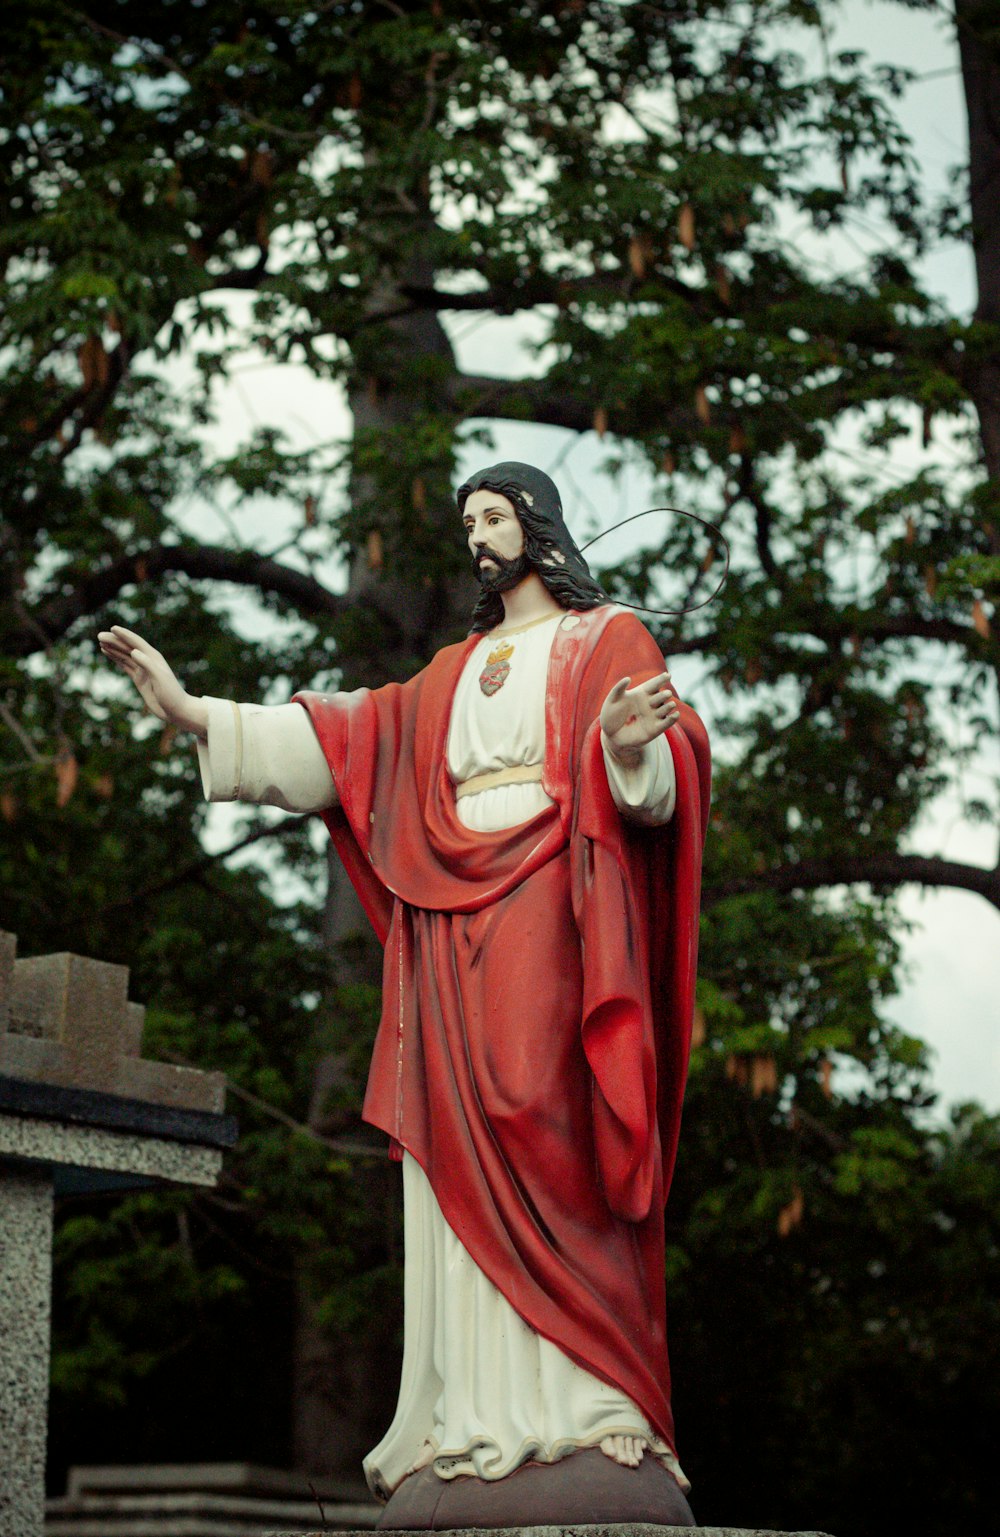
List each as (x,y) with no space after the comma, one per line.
(507,574)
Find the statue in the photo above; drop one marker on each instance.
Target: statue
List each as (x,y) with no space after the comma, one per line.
(523,821)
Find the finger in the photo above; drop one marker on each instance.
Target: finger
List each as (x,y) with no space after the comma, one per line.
(654,685)
(618,691)
(132,639)
(648,687)
(145,657)
(115,655)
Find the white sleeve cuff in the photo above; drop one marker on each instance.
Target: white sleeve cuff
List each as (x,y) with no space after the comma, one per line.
(220,754)
(645,792)
(267,755)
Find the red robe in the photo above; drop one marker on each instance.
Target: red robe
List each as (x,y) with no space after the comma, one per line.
(538,993)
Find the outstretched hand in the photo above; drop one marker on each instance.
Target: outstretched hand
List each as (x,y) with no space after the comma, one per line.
(153,676)
(631,717)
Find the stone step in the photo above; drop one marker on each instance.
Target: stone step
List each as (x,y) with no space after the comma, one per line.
(197,1514)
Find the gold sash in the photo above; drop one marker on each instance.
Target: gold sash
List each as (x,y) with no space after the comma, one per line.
(517,774)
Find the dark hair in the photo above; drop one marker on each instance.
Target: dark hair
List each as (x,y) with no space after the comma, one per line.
(548,546)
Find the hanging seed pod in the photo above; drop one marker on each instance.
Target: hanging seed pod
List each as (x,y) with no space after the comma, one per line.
(67,774)
(980,620)
(262,167)
(791,1215)
(763,1076)
(686,226)
(640,254)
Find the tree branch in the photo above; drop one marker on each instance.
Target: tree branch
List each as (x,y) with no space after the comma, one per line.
(195,867)
(51,619)
(520,400)
(883,869)
(750,491)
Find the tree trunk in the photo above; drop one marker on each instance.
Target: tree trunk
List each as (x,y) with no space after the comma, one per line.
(979,49)
(345,1383)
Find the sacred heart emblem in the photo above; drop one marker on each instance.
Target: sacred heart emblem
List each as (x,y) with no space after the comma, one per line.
(494,674)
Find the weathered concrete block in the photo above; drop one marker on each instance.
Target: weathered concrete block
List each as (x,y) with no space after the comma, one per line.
(8,952)
(67,1020)
(161,1083)
(132,1029)
(164,1083)
(77,1001)
(248,1479)
(202,1498)
(51,1144)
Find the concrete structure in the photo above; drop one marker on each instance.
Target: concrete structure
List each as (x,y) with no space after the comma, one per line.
(203,1500)
(80,1110)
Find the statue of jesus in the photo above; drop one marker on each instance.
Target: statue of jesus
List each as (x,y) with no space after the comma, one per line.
(523,821)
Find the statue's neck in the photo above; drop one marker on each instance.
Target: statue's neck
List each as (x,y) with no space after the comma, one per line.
(528,601)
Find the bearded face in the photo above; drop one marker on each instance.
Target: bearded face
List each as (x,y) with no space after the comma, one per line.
(497,573)
(496,541)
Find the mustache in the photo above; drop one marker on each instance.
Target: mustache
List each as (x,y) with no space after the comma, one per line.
(507,573)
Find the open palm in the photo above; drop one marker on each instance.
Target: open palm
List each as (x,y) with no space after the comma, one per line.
(162,693)
(631,717)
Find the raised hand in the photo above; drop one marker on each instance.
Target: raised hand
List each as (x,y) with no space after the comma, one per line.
(153,676)
(631,717)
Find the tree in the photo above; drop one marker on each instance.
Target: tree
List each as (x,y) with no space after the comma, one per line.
(655,186)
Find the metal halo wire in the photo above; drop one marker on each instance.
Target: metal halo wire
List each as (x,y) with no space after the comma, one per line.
(682,512)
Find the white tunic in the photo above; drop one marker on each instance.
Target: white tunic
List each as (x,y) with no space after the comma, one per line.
(478,1386)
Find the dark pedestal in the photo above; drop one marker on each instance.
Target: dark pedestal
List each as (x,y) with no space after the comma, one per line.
(586,1487)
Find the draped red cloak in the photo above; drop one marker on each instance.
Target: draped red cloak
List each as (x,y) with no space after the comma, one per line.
(538,993)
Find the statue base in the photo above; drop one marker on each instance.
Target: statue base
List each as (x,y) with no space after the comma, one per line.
(599,1529)
(585,1487)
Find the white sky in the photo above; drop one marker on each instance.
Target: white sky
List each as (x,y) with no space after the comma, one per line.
(950,997)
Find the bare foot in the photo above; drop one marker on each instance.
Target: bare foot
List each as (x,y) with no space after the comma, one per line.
(424,1458)
(627,1450)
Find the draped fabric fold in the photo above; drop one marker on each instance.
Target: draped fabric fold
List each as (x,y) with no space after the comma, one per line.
(537,994)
